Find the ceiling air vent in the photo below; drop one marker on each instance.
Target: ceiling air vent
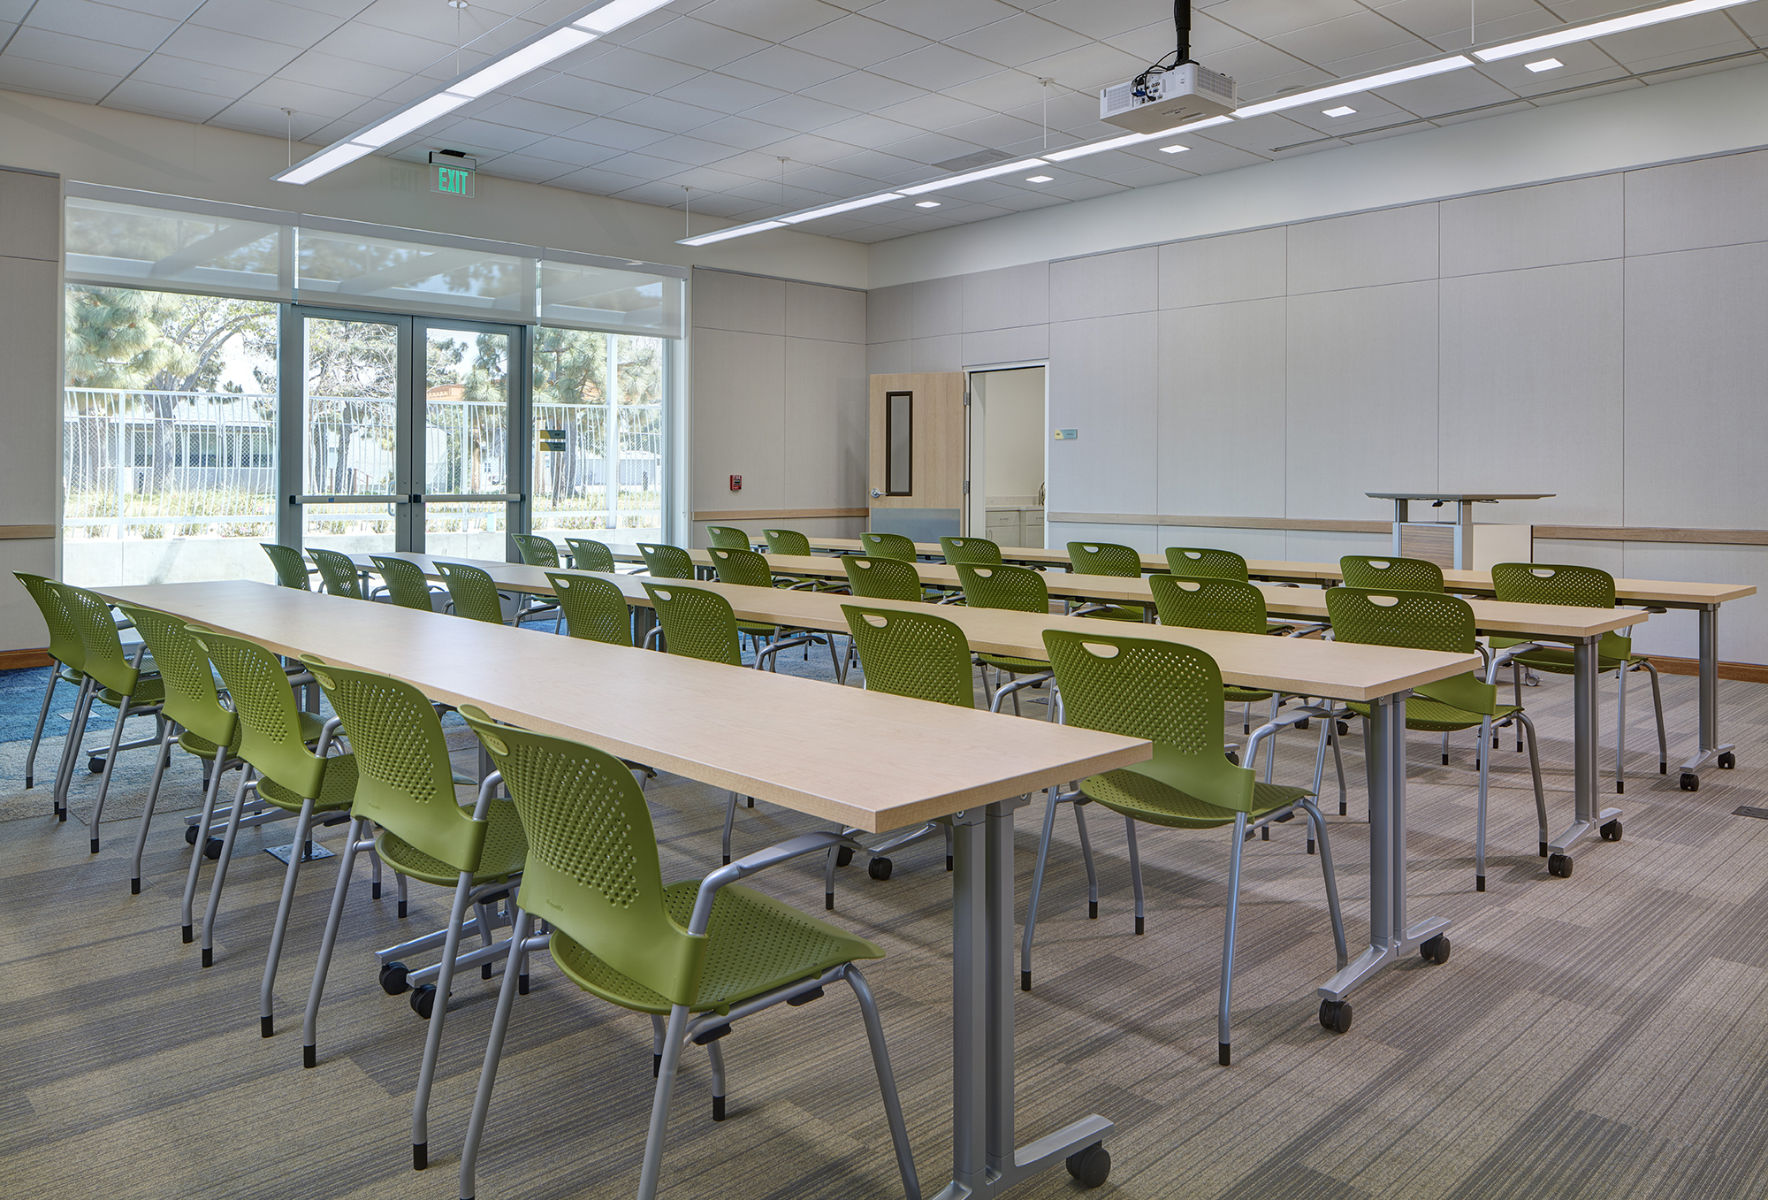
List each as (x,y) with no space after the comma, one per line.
(969,162)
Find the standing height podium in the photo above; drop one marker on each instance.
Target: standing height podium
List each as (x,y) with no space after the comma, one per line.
(1457,538)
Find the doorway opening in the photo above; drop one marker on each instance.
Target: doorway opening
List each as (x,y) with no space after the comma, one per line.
(1007,455)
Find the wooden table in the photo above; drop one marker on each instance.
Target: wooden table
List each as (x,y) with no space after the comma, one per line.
(864,759)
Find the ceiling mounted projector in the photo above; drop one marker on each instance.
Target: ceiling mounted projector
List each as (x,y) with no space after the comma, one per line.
(1173,91)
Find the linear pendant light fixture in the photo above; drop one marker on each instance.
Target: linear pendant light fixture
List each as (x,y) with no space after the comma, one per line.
(1596,29)
(573,33)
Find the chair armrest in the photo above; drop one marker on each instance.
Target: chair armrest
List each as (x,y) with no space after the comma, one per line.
(820,842)
(1503,657)
(487,789)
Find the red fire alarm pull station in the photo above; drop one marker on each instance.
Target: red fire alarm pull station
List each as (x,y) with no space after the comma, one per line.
(736,483)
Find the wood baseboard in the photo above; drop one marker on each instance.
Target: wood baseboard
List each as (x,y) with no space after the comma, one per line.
(13,660)
(1747,672)
(776,514)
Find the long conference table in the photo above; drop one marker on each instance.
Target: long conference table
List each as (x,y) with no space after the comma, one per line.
(1379,676)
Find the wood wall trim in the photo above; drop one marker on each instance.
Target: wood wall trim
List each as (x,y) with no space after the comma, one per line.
(1564,533)
(1747,672)
(1324,526)
(1642,533)
(12,660)
(779,514)
(26,532)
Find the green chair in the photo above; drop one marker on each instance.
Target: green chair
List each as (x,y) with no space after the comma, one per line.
(129,683)
(786,541)
(977,552)
(1432,621)
(403,583)
(1172,696)
(66,652)
(472,592)
(747,568)
(1542,583)
(309,784)
(873,578)
(1018,589)
(341,576)
(1384,572)
(1201,563)
(405,791)
(291,568)
(728,537)
(666,562)
(536,551)
(587,555)
(697,956)
(888,545)
(1107,558)
(594,609)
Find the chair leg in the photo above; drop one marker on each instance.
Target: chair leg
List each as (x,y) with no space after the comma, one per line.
(1339,945)
(420,1105)
(246,777)
(211,796)
(353,841)
(1223,1042)
(672,1046)
(110,765)
(153,796)
(1445,747)
(70,749)
(1657,705)
(730,818)
(899,1133)
(1621,730)
(1037,891)
(1320,767)
(42,719)
(1086,856)
(1246,719)
(1271,748)
(715,1061)
(1516,695)
(1479,837)
(1129,825)
(267,988)
(1535,770)
(500,1021)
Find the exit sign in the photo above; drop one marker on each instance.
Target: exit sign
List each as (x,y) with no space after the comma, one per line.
(451,181)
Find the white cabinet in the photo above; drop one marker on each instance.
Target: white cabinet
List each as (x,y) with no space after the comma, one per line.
(1015,525)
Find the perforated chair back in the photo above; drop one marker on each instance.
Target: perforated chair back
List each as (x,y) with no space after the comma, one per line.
(1403,574)
(595,609)
(786,541)
(1416,620)
(101,648)
(65,646)
(1226,604)
(740,565)
(291,568)
(976,551)
(728,537)
(1553,583)
(270,734)
(888,545)
(1202,563)
(1105,558)
(666,562)
(473,592)
(406,585)
(339,574)
(1018,588)
(536,551)
(192,699)
(592,868)
(912,654)
(696,623)
(590,556)
(404,782)
(882,578)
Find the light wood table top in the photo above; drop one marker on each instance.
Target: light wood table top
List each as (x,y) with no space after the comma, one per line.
(865,759)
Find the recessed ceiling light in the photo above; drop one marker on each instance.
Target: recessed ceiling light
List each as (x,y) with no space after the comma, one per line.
(1039,178)
(926,204)
(1174,149)
(1343,110)
(1546,64)
(1352,87)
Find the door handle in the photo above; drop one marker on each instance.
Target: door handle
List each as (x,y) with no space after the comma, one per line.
(876,494)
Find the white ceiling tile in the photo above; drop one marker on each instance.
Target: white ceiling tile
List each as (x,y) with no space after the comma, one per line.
(1087,69)
(322,69)
(885,168)
(784,68)
(1101,19)
(1452,22)
(48,79)
(1000,92)
(136,96)
(1206,156)
(931,148)
(617,135)
(1697,37)
(856,41)
(1273,18)
(865,129)
(1262,134)
(233,49)
(520,113)
(671,116)
(100,22)
(1598,89)
(742,133)
(1001,132)
(932,111)
(938,21)
(589,97)
(632,70)
(861,91)
(1261,70)
(291,24)
(935,67)
(1453,92)
(308,101)
(718,91)
(1134,171)
(1371,111)
(1345,37)
(772,20)
(211,79)
(81,54)
(175,10)
(252,117)
(597,179)
(524,167)
(1707,68)
(484,138)
(1020,38)
(697,43)
(811,148)
(689,151)
(804,114)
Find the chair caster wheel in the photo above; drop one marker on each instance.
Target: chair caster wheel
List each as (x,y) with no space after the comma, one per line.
(1335,1015)
(423,1000)
(1232,757)
(843,856)
(1302,724)
(1435,950)
(1690,781)
(1343,728)
(212,849)
(1727,761)
(393,978)
(190,835)
(1559,865)
(1611,832)
(1091,1166)
(879,868)
(95,765)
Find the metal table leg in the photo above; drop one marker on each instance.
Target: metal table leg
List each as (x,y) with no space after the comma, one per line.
(1709,750)
(1586,816)
(984,1156)
(1390,936)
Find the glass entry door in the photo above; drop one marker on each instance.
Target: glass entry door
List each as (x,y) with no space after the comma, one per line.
(468,500)
(354,488)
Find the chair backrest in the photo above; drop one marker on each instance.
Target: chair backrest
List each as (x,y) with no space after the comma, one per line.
(882,578)
(192,699)
(888,545)
(339,573)
(666,562)
(592,869)
(473,592)
(404,782)
(786,541)
(728,536)
(1018,588)
(65,646)
(291,568)
(406,585)
(912,654)
(740,565)
(1553,583)
(269,720)
(1226,604)
(1387,617)
(1402,574)
(1202,563)
(537,551)
(101,648)
(696,623)
(595,609)
(1168,693)
(1105,558)
(978,552)
(590,556)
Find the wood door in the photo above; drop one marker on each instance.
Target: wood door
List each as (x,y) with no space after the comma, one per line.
(915,482)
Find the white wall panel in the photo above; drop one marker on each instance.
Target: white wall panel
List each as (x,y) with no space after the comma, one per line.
(936,308)
(887,313)
(1102,383)
(30,215)
(743,303)
(832,314)
(1709,202)
(1105,285)
(1247,543)
(738,423)
(1010,297)
(1576,221)
(887,358)
(1060,533)
(825,424)
(1025,344)
(30,390)
(1219,270)
(1318,545)
(937,353)
(1743,625)
(1395,245)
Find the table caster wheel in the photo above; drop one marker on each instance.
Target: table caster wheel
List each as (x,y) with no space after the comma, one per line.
(1559,865)
(1335,1015)
(212,849)
(1436,949)
(1690,781)
(393,978)
(1611,832)
(843,856)
(1090,1166)
(423,1000)
(879,868)
(1727,761)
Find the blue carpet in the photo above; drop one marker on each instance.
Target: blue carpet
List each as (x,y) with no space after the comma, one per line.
(21,692)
